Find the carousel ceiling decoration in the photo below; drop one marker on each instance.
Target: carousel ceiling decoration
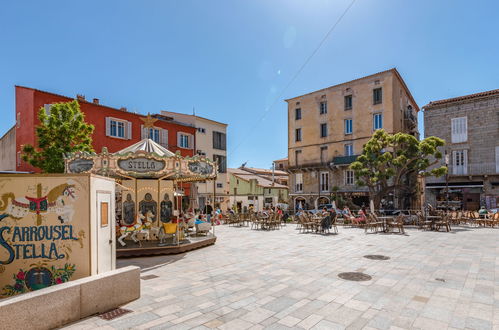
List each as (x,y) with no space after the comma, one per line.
(144,159)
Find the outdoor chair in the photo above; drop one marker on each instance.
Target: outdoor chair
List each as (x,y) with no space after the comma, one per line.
(495,219)
(397,223)
(372,223)
(443,222)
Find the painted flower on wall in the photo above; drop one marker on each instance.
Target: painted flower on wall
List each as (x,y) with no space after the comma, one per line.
(38,277)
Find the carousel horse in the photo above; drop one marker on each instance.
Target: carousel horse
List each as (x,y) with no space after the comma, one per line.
(59,200)
(141,227)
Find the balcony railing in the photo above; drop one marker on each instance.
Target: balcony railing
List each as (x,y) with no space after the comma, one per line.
(474,169)
(470,170)
(344,160)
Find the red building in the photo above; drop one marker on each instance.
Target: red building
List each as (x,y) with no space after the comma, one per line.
(115,129)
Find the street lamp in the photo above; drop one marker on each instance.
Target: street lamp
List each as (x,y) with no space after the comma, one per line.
(447,181)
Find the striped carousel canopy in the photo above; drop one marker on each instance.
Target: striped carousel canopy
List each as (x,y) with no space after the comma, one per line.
(146,145)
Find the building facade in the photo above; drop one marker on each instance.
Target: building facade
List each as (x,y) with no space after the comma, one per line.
(8,150)
(281,164)
(470,126)
(250,187)
(114,129)
(328,128)
(211,142)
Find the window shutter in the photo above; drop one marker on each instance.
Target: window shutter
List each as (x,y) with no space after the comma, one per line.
(454,162)
(224,141)
(163,137)
(465,161)
(178,139)
(465,129)
(214,135)
(459,129)
(128,130)
(191,141)
(143,132)
(108,126)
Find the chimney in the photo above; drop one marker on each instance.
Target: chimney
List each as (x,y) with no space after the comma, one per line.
(95,101)
(80,97)
(123,109)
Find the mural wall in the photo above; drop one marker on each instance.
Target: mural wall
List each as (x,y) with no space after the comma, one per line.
(44,231)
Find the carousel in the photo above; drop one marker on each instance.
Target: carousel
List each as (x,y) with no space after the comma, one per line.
(151,184)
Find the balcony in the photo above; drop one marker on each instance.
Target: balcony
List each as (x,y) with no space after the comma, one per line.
(474,169)
(344,160)
(410,120)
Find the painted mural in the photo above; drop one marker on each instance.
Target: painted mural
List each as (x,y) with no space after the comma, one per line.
(43,232)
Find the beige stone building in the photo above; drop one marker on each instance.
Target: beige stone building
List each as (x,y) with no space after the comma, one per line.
(470,126)
(281,164)
(328,128)
(211,142)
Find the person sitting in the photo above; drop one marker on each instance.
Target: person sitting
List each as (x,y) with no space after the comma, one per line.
(482,212)
(361,218)
(347,214)
(326,220)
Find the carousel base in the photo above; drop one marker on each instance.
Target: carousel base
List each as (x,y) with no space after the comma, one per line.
(168,247)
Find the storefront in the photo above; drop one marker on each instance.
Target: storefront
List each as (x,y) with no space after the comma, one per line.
(461,196)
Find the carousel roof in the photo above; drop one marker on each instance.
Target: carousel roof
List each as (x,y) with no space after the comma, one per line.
(147,145)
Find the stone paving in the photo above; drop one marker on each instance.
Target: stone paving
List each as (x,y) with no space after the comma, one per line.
(282,279)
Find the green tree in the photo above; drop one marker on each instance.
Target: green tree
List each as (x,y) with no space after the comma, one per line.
(62,131)
(388,159)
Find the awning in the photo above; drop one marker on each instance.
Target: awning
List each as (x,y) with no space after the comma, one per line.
(453,187)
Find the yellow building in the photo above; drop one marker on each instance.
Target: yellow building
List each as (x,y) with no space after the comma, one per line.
(328,128)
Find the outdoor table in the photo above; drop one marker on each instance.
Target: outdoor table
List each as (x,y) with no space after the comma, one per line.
(383,221)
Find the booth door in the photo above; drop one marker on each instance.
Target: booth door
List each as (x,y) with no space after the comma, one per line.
(104,232)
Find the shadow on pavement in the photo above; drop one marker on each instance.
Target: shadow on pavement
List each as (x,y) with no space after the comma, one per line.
(147,263)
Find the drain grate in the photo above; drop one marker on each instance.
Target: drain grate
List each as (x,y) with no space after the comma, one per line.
(354,276)
(115,313)
(148,277)
(376,257)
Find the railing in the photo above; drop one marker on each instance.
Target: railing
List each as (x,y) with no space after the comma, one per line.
(473,169)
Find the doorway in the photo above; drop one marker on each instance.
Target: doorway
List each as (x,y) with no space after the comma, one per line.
(105,226)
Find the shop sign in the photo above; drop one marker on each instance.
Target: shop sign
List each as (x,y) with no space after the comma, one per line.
(141,165)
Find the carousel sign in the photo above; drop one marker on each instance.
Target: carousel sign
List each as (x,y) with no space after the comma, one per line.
(141,165)
(144,159)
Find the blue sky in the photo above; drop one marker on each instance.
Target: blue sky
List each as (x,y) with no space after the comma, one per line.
(231,59)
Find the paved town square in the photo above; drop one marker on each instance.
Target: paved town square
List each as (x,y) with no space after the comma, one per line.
(254,279)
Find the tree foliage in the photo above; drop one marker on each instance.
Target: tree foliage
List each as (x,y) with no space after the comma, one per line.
(62,131)
(387,159)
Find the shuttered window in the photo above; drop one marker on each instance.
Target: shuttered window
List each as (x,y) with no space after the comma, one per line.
(460,162)
(298,182)
(185,140)
(377,121)
(219,141)
(118,128)
(349,178)
(459,130)
(348,126)
(324,181)
(221,162)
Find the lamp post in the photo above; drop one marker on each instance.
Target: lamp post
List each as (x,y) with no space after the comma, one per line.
(447,181)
